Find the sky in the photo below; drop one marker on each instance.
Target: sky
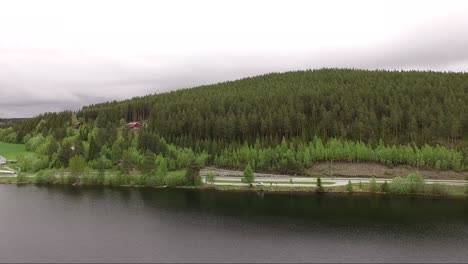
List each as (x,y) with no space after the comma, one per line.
(62,55)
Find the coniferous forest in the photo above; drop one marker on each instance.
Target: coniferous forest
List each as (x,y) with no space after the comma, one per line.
(280,122)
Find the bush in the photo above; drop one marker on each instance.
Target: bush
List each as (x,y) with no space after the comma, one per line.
(349,187)
(384,187)
(116,179)
(45,177)
(412,183)
(373,185)
(319,185)
(21,178)
(210,178)
(416,183)
(399,185)
(175,179)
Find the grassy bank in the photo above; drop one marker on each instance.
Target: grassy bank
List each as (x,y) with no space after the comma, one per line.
(450,191)
(12,151)
(412,184)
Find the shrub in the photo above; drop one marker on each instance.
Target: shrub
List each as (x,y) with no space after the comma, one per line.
(116,179)
(373,185)
(349,187)
(399,185)
(413,183)
(319,185)
(384,187)
(175,179)
(21,177)
(416,183)
(210,178)
(45,177)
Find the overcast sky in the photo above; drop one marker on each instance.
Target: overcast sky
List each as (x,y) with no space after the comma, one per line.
(57,55)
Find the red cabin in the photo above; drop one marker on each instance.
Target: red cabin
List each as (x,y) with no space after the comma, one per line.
(134,125)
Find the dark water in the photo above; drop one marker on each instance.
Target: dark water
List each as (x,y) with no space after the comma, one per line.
(72,224)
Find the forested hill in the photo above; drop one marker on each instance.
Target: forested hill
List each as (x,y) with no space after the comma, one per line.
(396,107)
(277,122)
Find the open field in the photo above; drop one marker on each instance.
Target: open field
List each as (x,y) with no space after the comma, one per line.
(12,151)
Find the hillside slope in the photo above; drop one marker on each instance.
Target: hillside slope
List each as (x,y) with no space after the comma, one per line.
(396,107)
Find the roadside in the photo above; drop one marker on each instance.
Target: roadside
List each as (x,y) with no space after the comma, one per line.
(233,178)
(368,169)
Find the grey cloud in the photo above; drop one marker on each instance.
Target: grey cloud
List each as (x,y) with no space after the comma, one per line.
(41,81)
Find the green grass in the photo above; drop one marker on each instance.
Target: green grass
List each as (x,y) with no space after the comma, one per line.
(12,151)
(282,182)
(7,179)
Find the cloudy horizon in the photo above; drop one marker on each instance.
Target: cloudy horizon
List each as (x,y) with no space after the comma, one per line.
(59,55)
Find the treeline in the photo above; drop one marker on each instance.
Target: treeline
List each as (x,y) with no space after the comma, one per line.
(294,158)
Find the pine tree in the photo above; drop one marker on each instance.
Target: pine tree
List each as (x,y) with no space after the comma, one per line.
(148,165)
(161,172)
(192,175)
(249,177)
(94,150)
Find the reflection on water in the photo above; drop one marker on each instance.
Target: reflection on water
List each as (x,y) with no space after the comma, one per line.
(98,224)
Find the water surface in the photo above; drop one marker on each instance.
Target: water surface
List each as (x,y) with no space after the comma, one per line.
(97,224)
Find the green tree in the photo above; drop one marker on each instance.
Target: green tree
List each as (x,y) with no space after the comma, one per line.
(192,174)
(101,167)
(65,153)
(77,168)
(94,149)
(161,172)
(248,174)
(148,165)
(126,164)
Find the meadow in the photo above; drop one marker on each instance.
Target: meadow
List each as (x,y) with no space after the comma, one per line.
(12,151)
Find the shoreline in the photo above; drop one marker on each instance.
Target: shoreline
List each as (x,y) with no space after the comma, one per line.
(309,190)
(290,190)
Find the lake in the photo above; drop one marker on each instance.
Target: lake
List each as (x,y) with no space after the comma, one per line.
(103,224)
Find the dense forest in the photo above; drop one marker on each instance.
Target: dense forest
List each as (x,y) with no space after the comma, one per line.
(278,122)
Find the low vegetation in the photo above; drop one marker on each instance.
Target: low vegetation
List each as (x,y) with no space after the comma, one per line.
(12,151)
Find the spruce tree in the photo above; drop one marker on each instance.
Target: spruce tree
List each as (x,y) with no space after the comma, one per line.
(94,150)
(249,177)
